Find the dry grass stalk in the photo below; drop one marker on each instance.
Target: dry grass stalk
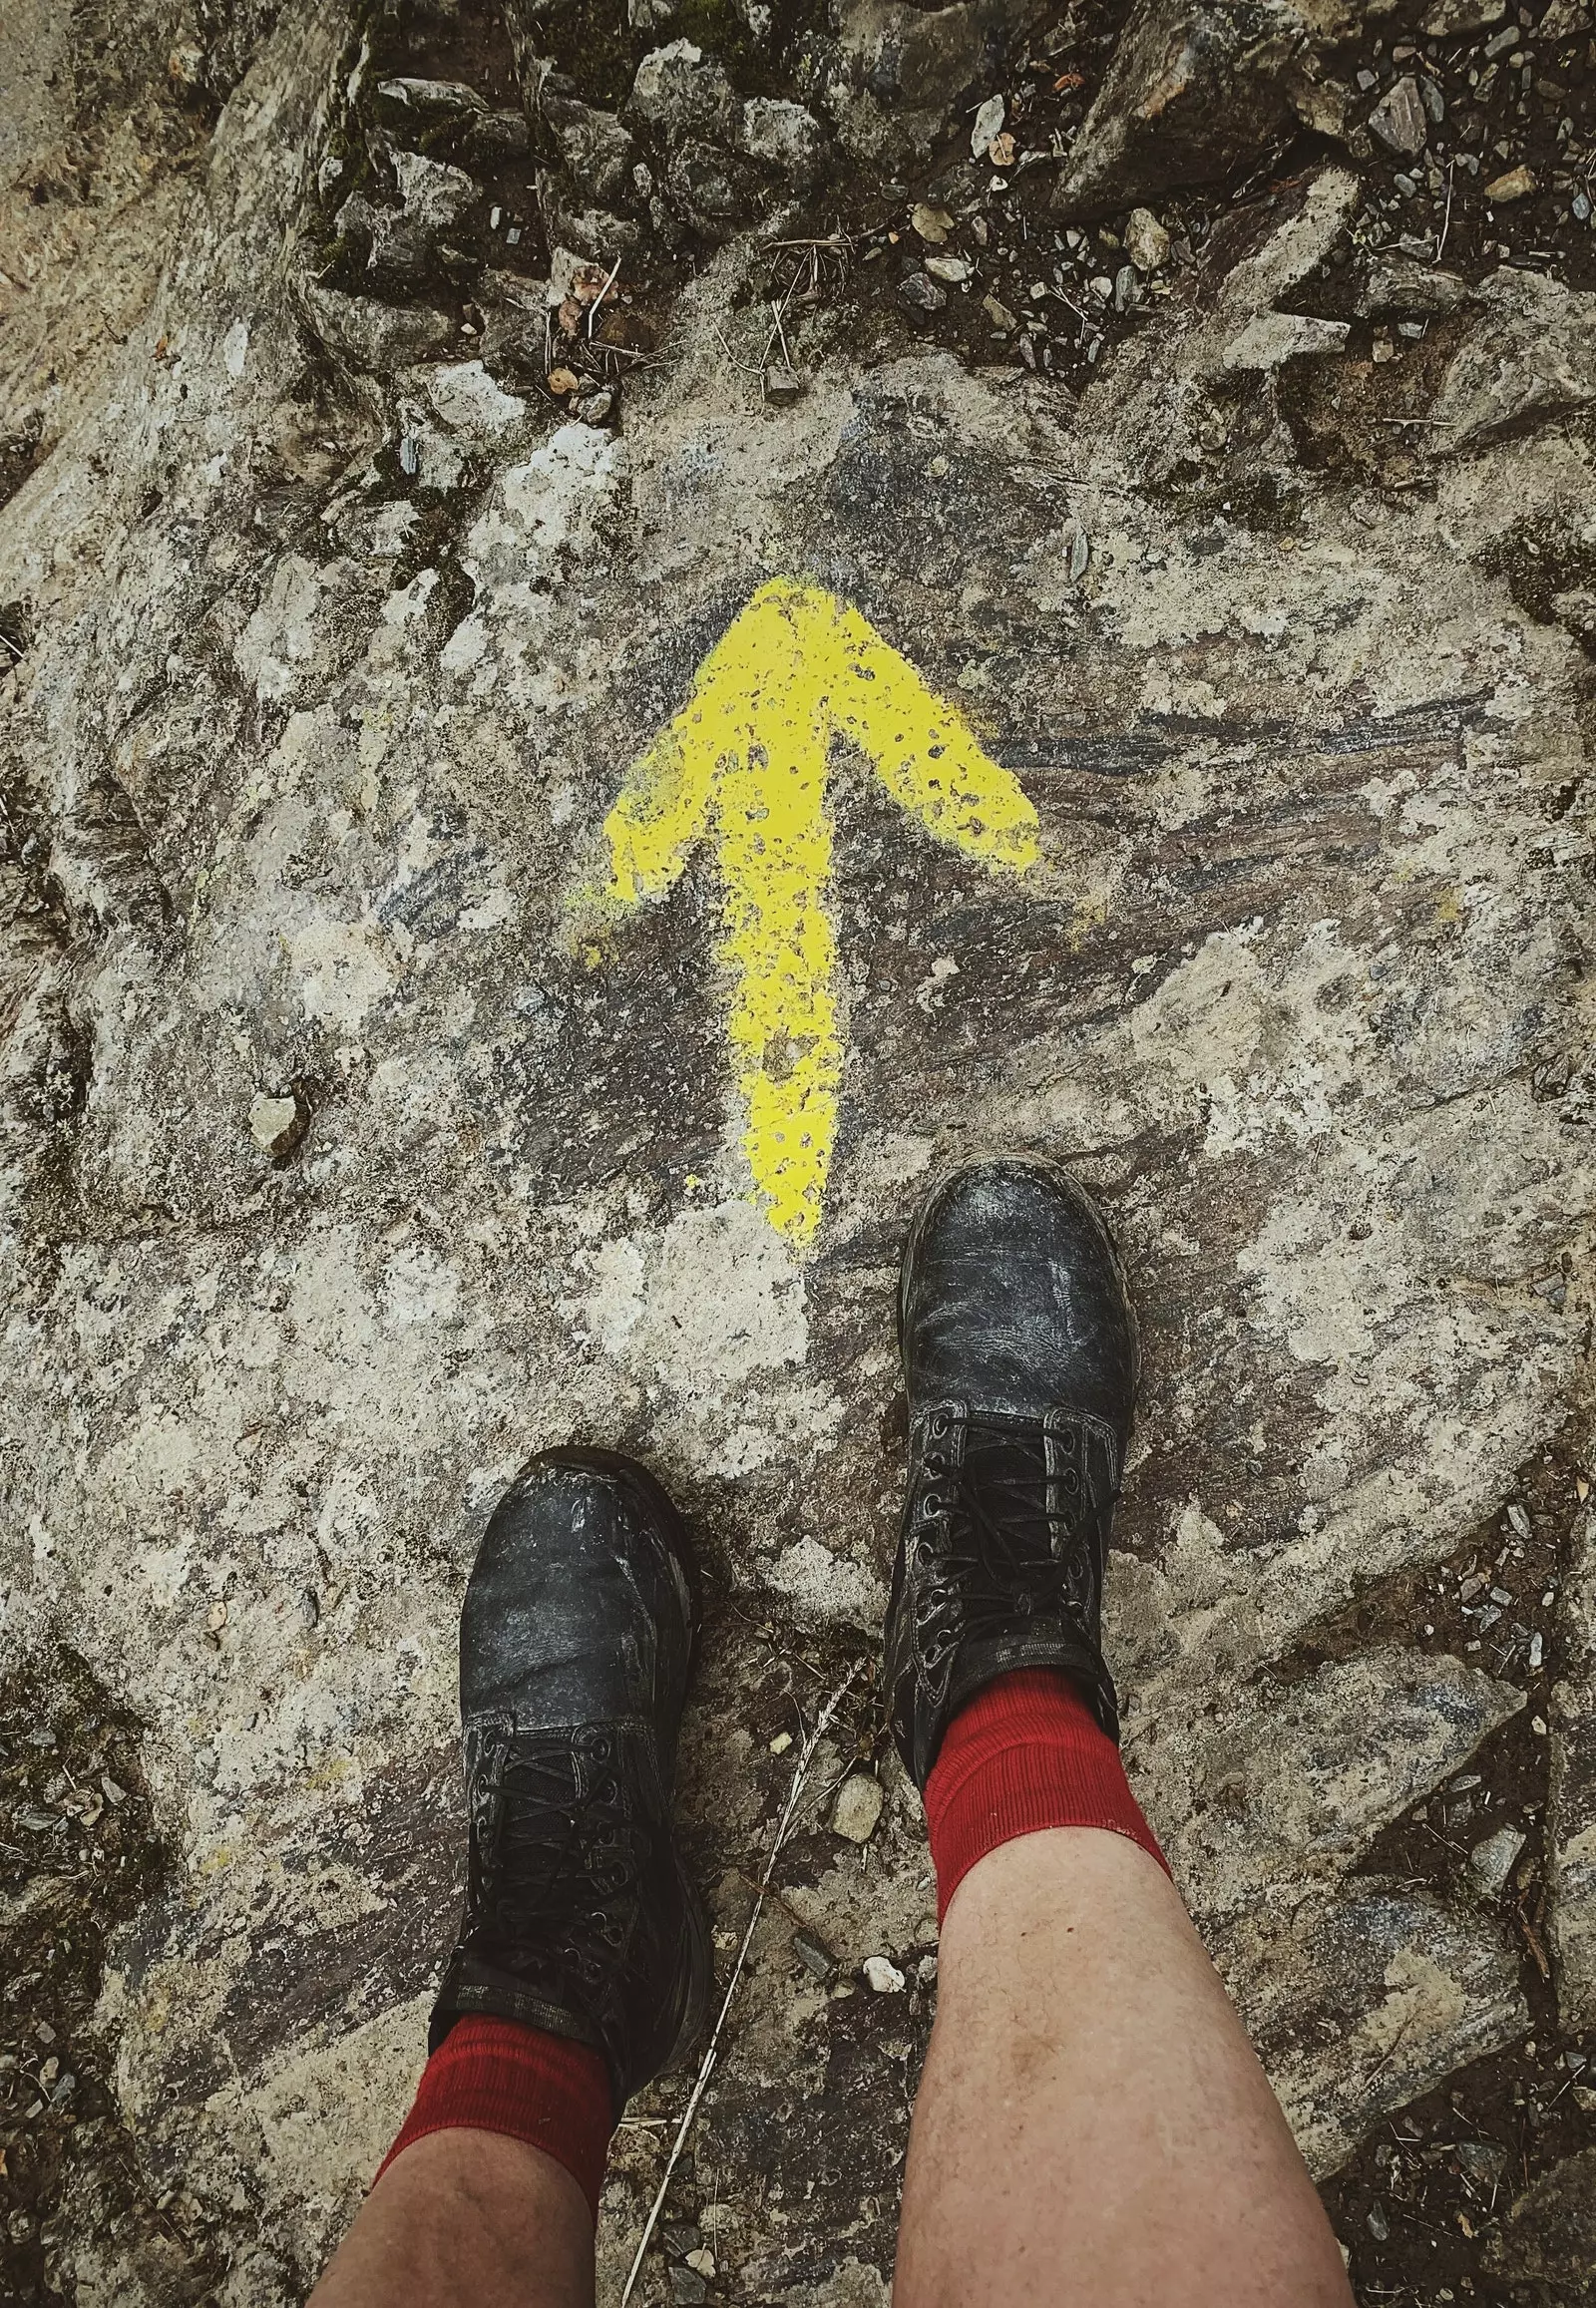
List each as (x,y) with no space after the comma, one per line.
(806,1756)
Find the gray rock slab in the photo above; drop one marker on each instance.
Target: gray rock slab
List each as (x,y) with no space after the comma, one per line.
(1279,1781)
(1359,2005)
(1531,357)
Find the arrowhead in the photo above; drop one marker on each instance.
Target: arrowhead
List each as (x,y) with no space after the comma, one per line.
(748,755)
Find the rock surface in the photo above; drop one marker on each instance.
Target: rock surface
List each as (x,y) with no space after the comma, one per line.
(1571,1823)
(1534,356)
(339,648)
(1549,2237)
(1192,91)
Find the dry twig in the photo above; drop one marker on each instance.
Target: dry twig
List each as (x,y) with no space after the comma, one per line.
(806,1756)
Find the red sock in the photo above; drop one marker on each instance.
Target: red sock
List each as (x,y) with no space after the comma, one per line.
(1026,1753)
(497,2075)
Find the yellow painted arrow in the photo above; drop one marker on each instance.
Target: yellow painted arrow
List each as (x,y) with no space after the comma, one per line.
(747,758)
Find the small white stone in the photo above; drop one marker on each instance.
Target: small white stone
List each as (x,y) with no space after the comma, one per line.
(988,122)
(884,1977)
(858,1808)
(702,2262)
(782,1742)
(274,1121)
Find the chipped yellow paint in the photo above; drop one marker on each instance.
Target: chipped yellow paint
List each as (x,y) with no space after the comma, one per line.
(748,760)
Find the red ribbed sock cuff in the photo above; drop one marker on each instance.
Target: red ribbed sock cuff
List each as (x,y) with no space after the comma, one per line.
(1025,1754)
(497,2075)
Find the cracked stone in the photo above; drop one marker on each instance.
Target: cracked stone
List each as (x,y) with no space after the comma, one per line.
(678,93)
(783,137)
(434,193)
(1533,355)
(1146,241)
(1401,284)
(1400,120)
(1191,91)
(369,334)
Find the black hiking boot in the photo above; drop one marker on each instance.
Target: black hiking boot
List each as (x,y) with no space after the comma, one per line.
(574,1642)
(1019,1360)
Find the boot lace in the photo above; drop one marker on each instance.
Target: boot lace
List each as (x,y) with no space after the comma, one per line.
(557,1856)
(999,1535)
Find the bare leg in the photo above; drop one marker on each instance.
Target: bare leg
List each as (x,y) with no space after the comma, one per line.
(1093,2125)
(466,2220)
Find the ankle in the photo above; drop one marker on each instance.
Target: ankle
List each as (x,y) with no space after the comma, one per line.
(495,2075)
(1024,1755)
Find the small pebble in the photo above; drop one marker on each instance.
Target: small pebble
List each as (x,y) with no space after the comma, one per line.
(782,1742)
(858,1808)
(277,1123)
(815,1956)
(1491,1862)
(1146,242)
(1482,2159)
(1519,1518)
(1379,2224)
(883,1976)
